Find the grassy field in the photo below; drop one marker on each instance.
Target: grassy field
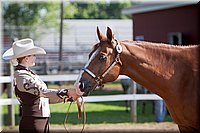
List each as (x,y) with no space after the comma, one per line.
(97,113)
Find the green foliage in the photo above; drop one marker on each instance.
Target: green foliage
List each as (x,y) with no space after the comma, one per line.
(100,10)
(13,13)
(21,19)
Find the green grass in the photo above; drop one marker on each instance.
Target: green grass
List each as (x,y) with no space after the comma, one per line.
(97,113)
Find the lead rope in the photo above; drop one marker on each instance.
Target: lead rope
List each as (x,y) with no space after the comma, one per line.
(79,114)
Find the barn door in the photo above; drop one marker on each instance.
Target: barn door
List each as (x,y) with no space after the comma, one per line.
(175,38)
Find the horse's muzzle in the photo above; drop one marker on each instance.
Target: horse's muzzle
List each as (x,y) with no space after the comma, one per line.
(85,87)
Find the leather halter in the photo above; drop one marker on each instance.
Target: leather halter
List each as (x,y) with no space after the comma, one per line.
(99,79)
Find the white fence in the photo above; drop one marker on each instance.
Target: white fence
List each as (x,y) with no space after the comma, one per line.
(132,97)
(73,77)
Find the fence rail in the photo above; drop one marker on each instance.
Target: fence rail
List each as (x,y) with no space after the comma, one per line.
(107,98)
(73,77)
(68,77)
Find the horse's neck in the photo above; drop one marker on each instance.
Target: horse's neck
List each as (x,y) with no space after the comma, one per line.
(143,56)
(149,64)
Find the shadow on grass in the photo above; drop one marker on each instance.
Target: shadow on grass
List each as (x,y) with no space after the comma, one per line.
(104,117)
(99,117)
(111,117)
(93,117)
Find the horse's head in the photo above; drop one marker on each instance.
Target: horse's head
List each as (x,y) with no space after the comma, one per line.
(103,64)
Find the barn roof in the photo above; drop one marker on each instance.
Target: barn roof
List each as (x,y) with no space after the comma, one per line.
(147,7)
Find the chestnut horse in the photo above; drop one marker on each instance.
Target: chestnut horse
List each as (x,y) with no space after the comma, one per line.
(168,71)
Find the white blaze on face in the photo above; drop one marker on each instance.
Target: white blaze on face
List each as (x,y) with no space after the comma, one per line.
(76,84)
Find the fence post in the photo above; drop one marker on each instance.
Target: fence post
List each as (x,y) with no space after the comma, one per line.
(0,105)
(11,109)
(133,105)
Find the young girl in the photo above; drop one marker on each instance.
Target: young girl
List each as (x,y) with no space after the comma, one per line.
(32,92)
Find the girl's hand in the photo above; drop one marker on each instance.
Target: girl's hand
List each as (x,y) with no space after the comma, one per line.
(72,93)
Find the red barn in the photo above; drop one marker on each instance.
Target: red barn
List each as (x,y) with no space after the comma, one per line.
(174,23)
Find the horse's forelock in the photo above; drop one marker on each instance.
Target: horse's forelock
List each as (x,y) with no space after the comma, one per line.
(95,47)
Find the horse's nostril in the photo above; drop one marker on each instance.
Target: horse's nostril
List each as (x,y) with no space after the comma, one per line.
(84,86)
(81,86)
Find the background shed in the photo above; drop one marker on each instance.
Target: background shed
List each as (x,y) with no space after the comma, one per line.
(174,23)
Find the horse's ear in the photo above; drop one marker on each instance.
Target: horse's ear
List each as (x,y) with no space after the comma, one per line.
(109,34)
(100,35)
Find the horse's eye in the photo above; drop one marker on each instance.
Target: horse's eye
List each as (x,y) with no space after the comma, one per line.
(103,58)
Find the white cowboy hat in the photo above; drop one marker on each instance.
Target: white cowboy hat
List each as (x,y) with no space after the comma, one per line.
(21,48)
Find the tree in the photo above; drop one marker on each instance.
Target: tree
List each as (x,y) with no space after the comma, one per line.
(100,10)
(22,19)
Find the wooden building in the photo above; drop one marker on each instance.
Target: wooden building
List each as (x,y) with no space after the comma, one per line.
(174,23)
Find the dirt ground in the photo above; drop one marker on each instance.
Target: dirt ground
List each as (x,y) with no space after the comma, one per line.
(166,127)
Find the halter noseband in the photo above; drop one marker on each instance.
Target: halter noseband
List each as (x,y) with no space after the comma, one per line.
(99,79)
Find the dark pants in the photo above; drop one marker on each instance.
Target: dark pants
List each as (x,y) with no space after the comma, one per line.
(29,124)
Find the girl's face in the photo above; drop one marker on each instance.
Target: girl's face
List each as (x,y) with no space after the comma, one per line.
(30,60)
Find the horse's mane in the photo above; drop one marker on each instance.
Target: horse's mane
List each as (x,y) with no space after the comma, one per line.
(183,53)
(158,45)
